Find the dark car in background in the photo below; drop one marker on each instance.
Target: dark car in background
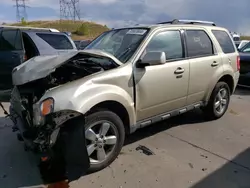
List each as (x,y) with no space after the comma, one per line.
(18,44)
(81,44)
(244,52)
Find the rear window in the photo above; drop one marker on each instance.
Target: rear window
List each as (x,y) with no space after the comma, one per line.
(224,41)
(236,38)
(59,42)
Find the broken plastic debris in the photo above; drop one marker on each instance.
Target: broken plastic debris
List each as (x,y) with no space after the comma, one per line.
(204,156)
(145,150)
(191,165)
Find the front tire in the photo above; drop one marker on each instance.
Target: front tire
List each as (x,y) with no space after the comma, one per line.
(105,134)
(218,102)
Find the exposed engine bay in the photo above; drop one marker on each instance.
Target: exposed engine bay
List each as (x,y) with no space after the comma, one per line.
(25,97)
(75,68)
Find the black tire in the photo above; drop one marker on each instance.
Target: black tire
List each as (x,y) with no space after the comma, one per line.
(210,110)
(115,119)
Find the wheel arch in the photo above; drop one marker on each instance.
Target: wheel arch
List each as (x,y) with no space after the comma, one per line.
(227,78)
(116,108)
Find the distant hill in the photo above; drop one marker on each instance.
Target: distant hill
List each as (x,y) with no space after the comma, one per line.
(245,37)
(79,29)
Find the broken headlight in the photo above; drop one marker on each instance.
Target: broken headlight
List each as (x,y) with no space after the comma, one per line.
(47,106)
(40,110)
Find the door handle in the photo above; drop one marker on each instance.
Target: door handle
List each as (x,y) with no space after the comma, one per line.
(179,70)
(214,64)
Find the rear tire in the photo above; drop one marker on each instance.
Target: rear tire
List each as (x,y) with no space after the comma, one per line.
(115,129)
(218,102)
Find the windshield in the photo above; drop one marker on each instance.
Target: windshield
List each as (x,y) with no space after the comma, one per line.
(122,43)
(245,48)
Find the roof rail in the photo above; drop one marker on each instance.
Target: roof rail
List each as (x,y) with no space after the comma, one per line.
(29,28)
(176,21)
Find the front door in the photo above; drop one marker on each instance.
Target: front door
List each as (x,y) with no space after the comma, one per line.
(162,88)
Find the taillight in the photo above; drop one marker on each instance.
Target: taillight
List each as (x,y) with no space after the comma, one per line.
(238,63)
(25,58)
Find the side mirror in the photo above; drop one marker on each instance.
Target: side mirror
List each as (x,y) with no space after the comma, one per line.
(153,58)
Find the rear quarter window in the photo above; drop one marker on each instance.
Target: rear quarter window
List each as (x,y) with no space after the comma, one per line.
(225,41)
(59,42)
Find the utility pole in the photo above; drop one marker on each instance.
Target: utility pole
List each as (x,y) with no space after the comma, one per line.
(20,10)
(70,10)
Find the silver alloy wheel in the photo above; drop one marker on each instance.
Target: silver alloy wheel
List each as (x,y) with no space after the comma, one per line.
(221,101)
(101,137)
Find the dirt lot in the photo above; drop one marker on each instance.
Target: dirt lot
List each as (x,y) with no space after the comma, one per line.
(188,152)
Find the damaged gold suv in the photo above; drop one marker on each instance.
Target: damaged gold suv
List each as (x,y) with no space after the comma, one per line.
(125,79)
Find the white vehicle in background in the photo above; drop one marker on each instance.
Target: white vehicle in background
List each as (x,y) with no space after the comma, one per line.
(236,36)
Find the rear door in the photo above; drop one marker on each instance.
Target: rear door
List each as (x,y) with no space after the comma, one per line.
(11,55)
(205,64)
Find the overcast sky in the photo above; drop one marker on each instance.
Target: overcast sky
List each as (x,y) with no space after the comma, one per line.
(227,13)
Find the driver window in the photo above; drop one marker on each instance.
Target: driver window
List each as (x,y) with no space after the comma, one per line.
(168,42)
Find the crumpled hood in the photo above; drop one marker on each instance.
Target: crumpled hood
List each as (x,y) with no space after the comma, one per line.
(41,66)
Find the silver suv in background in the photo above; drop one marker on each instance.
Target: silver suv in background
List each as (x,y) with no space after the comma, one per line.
(19,44)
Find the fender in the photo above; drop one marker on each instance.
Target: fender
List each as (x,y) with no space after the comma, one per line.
(86,96)
(215,81)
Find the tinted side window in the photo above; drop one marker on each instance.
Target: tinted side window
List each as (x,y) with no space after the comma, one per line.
(59,42)
(11,40)
(224,41)
(198,43)
(168,42)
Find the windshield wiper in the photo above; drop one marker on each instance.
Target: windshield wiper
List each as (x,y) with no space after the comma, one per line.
(129,48)
(124,52)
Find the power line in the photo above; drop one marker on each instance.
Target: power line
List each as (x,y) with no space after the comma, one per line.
(20,10)
(70,10)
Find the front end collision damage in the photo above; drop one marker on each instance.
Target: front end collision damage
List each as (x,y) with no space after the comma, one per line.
(44,135)
(74,89)
(57,148)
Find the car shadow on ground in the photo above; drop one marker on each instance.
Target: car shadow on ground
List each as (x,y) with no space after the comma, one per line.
(191,117)
(234,174)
